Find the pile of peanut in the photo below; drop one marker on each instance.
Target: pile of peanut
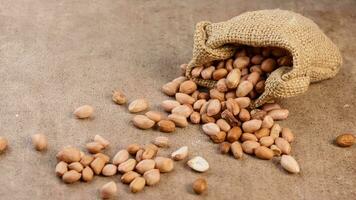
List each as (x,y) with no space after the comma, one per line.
(225,110)
(139,165)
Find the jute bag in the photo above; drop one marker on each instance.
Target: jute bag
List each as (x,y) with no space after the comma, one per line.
(315,57)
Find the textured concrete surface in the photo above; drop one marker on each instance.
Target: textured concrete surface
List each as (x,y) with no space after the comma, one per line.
(56,55)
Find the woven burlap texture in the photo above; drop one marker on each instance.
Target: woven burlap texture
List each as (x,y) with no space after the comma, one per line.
(315,57)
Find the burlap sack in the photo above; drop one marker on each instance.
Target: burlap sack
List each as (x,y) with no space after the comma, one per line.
(315,57)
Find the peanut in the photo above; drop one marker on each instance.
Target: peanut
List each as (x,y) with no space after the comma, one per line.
(244,115)
(198,164)
(267,122)
(196,71)
(207,72)
(263,152)
(221,85)
(211,129)
(233,106)
(69,155)
(248,136)
(94,147)
(184,98)
(179,79)
(233,78)
(187,87)
(180,153)
(266,141)
(137,184)
(128,177)
(252,125)
(287,134)
(279,114)
(97,165)
(83,112)
(243,102)
(71,176)
(108,190)
(236,150)
(101,140)
(120,157)
(234,134)
(127,166)
(215,94)
(145,165)
(345,140)
(223,125)
(133,148)
(3,144)
(249,146)
(104,157)
(87,174)
(198,104)
(268,65)
(155,116)
(170,88)
(39,141)
(152,177)
(224,147)
(241,62)
(161,141)
(200,185)
(168,105)
(164,164)
(218,137)
(207,119)
(263,132)
(119,97)
(290,164)
(275,131)
(195,118)
(61,168)
(138,105)
(219,74)
(109,170)
(276,150)
(168,126)
(244,88)
(143,122)
(283,145)
(271,106)
(76,166)
(178,120)
(183,110)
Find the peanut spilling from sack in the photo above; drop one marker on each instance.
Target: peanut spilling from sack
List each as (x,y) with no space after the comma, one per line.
(225,111)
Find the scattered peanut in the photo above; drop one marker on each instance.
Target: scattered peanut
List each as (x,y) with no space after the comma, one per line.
(290,164)
(83,112)
(143,122)
(161,141)
(345,140)
(180,154)
(39,141)
(137,184)
(138,105)
(3,144)
(119,97)
(108,190)
(198,164)
(200,185)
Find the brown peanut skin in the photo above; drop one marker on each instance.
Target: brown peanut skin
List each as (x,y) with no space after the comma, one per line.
(200,185)
(345,140)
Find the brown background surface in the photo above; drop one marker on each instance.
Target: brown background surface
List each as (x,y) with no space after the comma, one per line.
(56,55)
